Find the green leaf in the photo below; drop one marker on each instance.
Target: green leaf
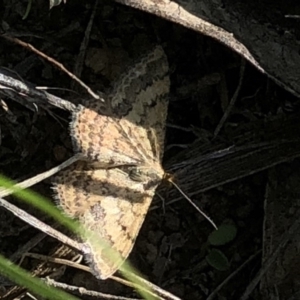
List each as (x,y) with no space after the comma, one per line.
(35,285)
(217,260)
(28,8)
(225,234)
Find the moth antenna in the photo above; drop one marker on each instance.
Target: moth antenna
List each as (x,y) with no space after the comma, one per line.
(194,205)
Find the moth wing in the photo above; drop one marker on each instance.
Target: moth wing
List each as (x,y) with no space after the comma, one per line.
(110,205)
(133,116)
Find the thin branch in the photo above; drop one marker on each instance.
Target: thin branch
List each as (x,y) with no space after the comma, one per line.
(232,101)
(40,177)
(83,291)
(36,223)
(28,93)
(53,61)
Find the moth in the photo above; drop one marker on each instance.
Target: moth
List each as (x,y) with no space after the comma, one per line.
(122,143)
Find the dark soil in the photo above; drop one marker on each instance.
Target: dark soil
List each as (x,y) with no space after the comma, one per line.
(171,248)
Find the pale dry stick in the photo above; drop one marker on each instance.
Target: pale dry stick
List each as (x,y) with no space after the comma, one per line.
(60,261)
(293,230)
(40,177)
(144,282)
(31,296)
(53,61)
(36,223)
(149,287)
(9,86)
(62,249)
(219,287)
(154,287)
(83,291)
(292,16)
(232,101)
(50,88)
(138,286)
